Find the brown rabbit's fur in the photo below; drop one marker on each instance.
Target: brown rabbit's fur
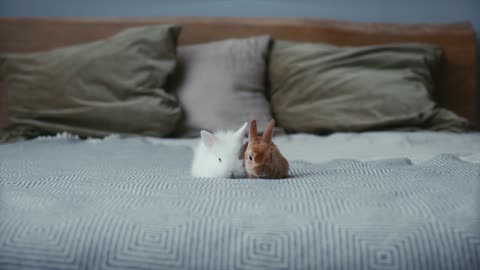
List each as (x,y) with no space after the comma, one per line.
(267,161)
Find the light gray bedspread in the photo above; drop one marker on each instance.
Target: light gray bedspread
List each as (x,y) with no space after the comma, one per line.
(128,204)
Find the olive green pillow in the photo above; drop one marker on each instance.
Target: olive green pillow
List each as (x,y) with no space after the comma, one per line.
(113,85)
(318,87)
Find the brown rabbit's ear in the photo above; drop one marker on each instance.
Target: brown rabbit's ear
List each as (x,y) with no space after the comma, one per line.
(252,134)
(267,135)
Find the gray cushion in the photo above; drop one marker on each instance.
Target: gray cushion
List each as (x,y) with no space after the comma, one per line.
(221,84)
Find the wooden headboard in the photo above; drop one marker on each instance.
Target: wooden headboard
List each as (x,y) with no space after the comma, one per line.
(456,83)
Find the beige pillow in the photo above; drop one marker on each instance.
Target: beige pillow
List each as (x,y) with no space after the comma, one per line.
(221,84)
(320,88)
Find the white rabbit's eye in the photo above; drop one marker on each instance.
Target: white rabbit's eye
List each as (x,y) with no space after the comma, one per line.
(219,160)
(250,157)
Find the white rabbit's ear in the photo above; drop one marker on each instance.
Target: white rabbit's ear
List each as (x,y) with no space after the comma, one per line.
(208,138)
(241,132)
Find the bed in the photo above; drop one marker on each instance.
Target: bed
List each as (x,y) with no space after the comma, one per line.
(379,199)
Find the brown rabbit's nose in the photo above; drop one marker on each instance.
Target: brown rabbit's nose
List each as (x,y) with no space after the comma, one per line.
(259,168)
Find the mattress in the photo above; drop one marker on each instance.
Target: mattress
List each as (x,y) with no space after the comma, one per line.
(353,201)
(416,146)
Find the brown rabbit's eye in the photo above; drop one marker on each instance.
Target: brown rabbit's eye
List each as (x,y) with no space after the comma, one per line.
(219,160)
(250,157)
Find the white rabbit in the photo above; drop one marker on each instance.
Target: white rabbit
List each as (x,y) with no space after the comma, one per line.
(219,154)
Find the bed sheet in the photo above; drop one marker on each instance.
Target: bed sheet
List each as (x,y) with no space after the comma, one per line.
(124,203)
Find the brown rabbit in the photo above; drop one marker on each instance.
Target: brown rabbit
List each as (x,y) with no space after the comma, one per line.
(262,157)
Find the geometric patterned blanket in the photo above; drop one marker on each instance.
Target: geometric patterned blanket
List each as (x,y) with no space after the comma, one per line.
(128,204)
